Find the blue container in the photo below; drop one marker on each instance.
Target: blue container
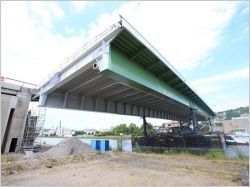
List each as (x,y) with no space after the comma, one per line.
(104,145)
(96,145)
(100,145)
(93,144)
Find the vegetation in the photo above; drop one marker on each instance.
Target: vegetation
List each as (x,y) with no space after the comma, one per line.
(235,112)
(215,155)
(79,133)
(241,155)
(219,124)
(131,129)
(12,168)
(203,126)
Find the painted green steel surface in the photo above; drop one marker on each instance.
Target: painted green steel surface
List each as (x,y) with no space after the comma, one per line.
(132,74)
(139,54)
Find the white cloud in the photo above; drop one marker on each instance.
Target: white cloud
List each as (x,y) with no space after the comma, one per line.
(80,6)
(47,12)
(242,73)
(30,49)
(224,102)
(184,32)
(214,83)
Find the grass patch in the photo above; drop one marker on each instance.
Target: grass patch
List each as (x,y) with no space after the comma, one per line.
(12,168)
(214,155)
(215,173)
(99,152)
(10,158)
(116,150)
(241,156)
(79,157)
(52,160)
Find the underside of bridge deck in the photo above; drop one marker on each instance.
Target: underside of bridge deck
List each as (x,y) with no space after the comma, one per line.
(122,73)
(93,91)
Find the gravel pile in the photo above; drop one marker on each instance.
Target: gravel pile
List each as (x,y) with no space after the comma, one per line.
(69,146)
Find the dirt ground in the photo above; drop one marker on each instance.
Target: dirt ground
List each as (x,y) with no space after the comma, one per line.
(127,169)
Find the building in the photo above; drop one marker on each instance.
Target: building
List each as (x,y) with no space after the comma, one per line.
(15,101)
(58,131)
(90,131)
(236,123)
(105,130)
(46,132)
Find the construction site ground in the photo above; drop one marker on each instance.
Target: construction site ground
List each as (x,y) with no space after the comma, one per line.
(122,169)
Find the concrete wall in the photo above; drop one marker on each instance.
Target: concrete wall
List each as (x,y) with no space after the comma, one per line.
(7,102)
(236,123)
(20,103)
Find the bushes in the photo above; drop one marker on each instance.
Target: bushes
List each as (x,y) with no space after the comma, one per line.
(132,129)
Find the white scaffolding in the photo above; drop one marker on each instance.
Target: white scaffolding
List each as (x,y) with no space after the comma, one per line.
(33,129)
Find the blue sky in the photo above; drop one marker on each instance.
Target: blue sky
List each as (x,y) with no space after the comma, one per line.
(207,42)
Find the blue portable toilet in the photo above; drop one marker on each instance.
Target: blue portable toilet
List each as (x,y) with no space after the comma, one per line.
(100,145)
(96,145)
(104,145)
(93,143)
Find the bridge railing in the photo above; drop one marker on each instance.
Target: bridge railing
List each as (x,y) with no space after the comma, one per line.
(76,54)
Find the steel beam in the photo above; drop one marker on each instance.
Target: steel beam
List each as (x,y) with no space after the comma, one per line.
(101,88)
(137,54)
(115,93)
(143,80)
(179,85)
(83,84)
(172,80)
(153,65)
(163,74)
(120,97)
(136,98)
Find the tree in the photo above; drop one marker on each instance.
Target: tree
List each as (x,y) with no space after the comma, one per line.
(122,128)
(219,124)
(150,130)
(78,133)
(203,126)
(133,129)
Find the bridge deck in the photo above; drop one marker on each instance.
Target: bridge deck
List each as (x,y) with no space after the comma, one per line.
(122,73)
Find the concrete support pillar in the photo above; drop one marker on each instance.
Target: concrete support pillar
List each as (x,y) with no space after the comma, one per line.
(18,121)
(65,100)
(82,102)
(42,99)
